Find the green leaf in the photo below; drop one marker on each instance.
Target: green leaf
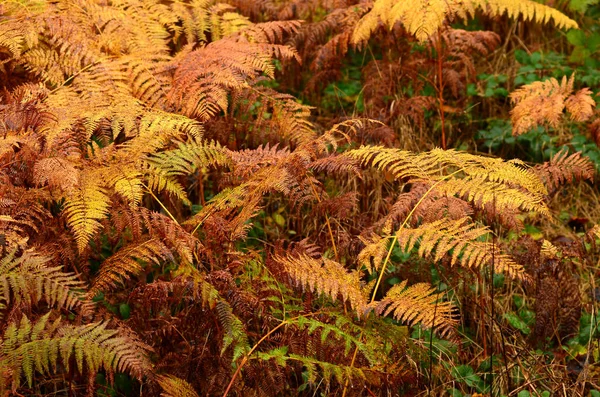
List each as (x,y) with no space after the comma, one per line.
(524,393)
(279,220)
(124,311)
(576,37)
(517,323)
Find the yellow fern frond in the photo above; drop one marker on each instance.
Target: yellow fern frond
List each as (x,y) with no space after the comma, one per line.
(29,279)
(423,18)
(461,240)
(85,206)
(418,303)
(326,277)
(175,387)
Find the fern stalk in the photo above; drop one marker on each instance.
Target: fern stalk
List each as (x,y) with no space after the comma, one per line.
(387,259)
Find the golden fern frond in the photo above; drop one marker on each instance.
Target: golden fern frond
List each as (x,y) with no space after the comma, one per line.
(581,105)
(326,277)
(423,18)
(564,168)
(459,238)
(484,181)
(190,156)
(543,102)
(418,303)
(125,180)
(513,172)
(493,196)
(126,263)
(85,206)
(173,386)
(29,279)
(37,347)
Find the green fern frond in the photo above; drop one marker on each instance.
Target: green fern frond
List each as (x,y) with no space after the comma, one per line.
(315,370)
(418,303)
(28,279)
(190,156)
(235,333)
(39,347)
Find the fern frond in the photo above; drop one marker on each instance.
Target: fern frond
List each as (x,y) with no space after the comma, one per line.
(29,348)
(316,370)
(543,102)
(418,303)
(563,168)
(125,264)
(326,277)
(85,206)
(423,18)
(235,333)
(460,239)
(175,387)
(189,157)
(28,279)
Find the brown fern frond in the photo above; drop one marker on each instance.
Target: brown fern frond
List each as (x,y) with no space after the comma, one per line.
(418,303)
(564,168)
(126,264)
(581,105)
(326,277)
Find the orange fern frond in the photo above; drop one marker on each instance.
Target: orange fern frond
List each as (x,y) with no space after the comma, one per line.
(418,303)
(543,102)
(326,277)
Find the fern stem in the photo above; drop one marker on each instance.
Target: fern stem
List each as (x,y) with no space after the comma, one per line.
(335,251)
(247,355)
(387,258)
(160,203)
(441,86)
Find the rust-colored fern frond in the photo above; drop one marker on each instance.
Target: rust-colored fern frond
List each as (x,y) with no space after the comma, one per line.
(563,168)
(125,264)
(326,277)
(423,18)
(543,102)
(418,303)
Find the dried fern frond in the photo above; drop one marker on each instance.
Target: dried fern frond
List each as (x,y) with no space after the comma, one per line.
(461,240)
(326,277)
(418,303)
(175,387)
(125,264)
(41,346)
(563,168)
(543,102)
(423,18)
